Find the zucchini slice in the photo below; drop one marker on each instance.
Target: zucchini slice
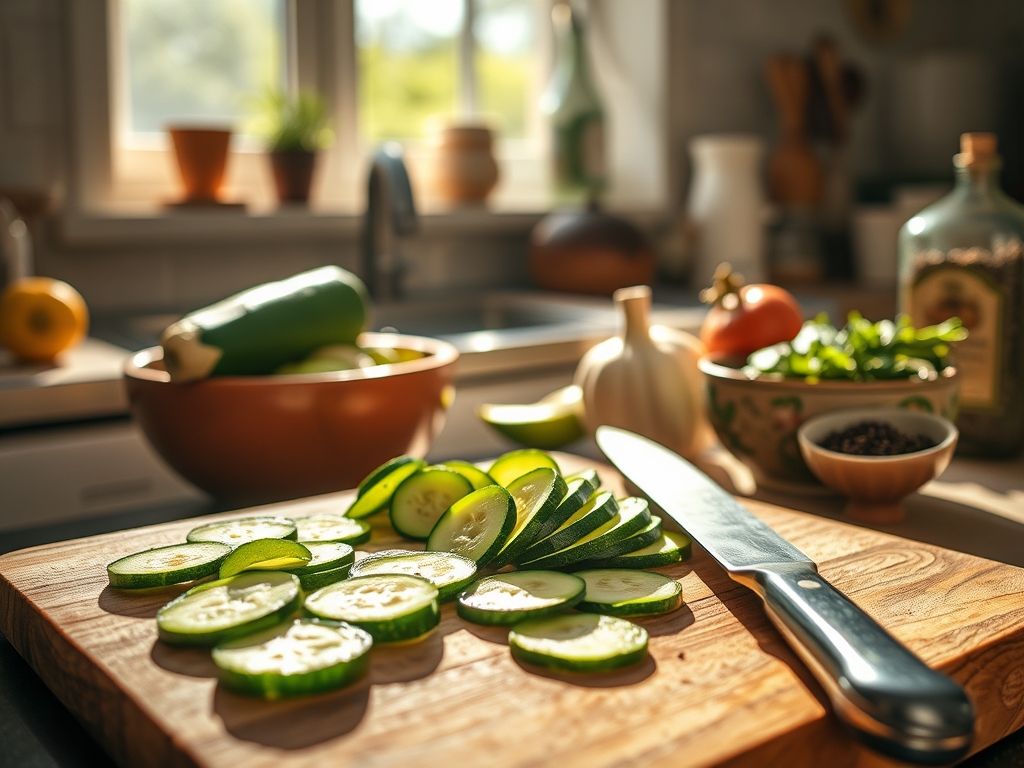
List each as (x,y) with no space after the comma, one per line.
(476,476)
(609,548)
(633,516)
(296,658)
(476,526)
(508,598)
(172,564)
(422,498)
(598,510)
(449,572)
(328,527)
(579,642)
(621,592)
(235,532)
(670,548)
(375,491)
(311,582)
(326,556)
(579,489)
(590,475)
(513,464)
(265,555)
(222,610)
(391,607)
(537,495)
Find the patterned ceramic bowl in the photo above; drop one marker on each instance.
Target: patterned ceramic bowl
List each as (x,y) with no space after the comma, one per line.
(757,419)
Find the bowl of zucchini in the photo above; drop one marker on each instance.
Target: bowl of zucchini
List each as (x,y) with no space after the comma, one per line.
(756,405)
(277,392)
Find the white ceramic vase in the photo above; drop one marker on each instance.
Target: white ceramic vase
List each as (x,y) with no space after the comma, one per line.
(727,206)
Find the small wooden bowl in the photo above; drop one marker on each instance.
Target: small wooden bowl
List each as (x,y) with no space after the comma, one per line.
(877,485)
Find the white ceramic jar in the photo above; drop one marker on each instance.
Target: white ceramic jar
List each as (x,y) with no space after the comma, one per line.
(727,206)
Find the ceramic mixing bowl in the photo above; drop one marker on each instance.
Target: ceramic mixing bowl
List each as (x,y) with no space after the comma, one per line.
(253,439)
(757,419)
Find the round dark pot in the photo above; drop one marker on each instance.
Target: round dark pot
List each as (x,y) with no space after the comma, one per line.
(293,174)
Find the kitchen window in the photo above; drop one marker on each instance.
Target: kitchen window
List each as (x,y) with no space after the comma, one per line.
(385,68)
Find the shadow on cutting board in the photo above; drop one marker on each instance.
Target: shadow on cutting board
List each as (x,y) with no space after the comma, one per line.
(141,603)
(273,724)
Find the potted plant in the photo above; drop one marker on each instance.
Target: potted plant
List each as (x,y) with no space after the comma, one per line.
(296,130)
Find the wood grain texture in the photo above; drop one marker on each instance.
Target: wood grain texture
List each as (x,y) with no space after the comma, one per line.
(720,685)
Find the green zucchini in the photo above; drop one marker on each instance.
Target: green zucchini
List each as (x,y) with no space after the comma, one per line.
(332,527)
(537,495)
(579,489)
(449,572)
(622,592)
(476,526)
(513,464)
(633,517)
(245,529)
(599,510)
(172,564)
(300,657)
(260,329)
(508,598)
(311,582)
(265,555)
(228,608)
(476,476)
(670,548)
(326,556)
(391,607)
(376,489)
(422,498)
(579,642)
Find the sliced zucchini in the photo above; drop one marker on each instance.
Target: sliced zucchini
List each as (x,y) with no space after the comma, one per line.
(597,512)
(296,658)
(476,526)
(326,556)
(265,555)
(670,548)
(537,495)
(222,610)
(422,498)
(508,598)
(375,491)
(391,607)
(513,464)
(449,572)
(476,476)
(235,532)
(161,566)
(622,592)
(579,642)
(329,527)
(590,475)
(578,492)
(311,582)
(610,548)
(633,516)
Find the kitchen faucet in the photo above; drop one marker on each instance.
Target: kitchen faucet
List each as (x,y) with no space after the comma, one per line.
(390,214)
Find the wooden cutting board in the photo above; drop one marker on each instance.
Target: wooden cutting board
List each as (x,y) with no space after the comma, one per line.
(720,686)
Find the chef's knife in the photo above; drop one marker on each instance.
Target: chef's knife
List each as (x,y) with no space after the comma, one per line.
(889,697)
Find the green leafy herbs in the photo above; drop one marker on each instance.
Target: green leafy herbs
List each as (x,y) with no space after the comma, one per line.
(296,123)
(862,351)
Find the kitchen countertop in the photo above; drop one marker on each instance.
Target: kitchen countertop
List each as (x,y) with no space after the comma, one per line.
(976,507)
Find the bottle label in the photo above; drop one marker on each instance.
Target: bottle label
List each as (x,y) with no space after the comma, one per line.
(945,291)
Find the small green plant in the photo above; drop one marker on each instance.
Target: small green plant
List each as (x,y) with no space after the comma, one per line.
(295,123)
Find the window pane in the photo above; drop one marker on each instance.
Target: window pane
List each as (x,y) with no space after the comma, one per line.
(408,65)
(506,63)
(199,60)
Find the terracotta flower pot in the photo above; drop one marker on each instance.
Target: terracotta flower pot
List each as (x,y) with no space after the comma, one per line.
(202,157)
(293,175)
(465,171)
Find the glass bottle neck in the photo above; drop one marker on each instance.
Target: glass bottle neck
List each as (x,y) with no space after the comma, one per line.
(978,182)
(572,52)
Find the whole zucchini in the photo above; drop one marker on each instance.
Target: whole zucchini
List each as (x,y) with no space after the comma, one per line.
(257,330)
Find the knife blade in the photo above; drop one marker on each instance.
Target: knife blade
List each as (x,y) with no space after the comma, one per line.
(891,700)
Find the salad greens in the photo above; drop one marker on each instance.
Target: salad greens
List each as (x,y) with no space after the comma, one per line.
(862,351)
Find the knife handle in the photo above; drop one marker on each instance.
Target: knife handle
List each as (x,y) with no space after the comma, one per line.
(888,696)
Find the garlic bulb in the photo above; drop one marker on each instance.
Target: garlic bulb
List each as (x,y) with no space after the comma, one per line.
(646,380)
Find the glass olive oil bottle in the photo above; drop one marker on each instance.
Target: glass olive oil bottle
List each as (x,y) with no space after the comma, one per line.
(964,256)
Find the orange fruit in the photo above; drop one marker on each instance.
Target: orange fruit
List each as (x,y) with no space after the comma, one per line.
(41,317)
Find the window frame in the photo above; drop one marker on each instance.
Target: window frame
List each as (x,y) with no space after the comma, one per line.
(317,61)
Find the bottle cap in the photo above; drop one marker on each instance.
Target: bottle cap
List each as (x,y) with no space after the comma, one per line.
(977,149)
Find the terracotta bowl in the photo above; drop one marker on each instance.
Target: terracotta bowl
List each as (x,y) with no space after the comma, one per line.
(877,485)
(264,438)
(757,419)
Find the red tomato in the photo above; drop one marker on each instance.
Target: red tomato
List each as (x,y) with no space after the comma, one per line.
(745,318)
